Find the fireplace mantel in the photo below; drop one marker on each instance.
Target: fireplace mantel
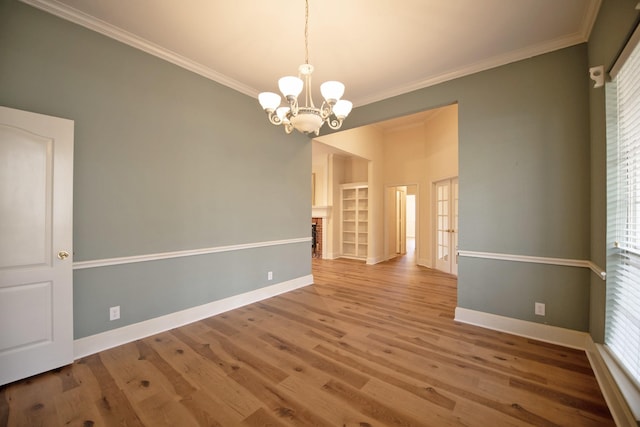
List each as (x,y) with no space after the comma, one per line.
(320,211)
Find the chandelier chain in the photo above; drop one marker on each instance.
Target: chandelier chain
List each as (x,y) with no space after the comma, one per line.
(306,32)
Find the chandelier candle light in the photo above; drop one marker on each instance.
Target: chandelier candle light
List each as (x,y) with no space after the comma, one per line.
(307,118)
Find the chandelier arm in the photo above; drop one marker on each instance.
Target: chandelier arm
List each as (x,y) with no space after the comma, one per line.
(326,110)
(334,123)
(288,128)
(274,119)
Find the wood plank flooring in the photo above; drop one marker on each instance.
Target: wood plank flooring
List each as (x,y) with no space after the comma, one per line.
(363,346)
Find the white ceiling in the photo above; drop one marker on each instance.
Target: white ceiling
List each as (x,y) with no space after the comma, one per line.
(377,48)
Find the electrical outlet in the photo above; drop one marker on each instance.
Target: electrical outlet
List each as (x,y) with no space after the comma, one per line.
(270,275)
(114,313)
(540,309)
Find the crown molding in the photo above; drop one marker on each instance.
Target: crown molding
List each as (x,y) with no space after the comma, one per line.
(77,17)
(589,19)
(494,62)
(73,15)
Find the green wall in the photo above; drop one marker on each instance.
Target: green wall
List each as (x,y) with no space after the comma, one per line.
(615,23)
(165,160)
(524,166)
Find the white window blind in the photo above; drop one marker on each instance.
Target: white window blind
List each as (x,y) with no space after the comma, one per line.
(622,329)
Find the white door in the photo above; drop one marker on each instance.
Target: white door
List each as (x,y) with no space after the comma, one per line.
(446,225)
(36,184)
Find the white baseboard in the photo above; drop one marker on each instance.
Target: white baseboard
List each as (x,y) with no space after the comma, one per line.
(375,260)
(95,343)
(538,331)
(596,354)
(611,380)
(424,262)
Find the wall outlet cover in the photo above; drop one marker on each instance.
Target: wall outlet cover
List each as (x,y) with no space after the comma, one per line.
(540,309)
(114,313)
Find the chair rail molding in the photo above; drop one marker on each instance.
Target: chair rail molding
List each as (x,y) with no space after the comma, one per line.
(537,260)
(178,254)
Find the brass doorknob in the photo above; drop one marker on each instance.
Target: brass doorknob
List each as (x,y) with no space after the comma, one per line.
(63,254)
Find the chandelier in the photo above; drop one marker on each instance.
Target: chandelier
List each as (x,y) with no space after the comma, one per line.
(305,118)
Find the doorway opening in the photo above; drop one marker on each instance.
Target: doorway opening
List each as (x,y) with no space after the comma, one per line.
(401,222)
(413,151)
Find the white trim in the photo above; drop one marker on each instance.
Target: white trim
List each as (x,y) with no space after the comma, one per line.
(374,260)
(425,262)
(596,353)
(607,374)
(70,14)
(597,270)
(320,211)
(178,254)
(538,331)
(95,343)
(537,260)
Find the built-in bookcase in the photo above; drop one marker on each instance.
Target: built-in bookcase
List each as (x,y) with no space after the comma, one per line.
(355,220)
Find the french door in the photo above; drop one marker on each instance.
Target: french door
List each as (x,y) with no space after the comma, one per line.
(446,225)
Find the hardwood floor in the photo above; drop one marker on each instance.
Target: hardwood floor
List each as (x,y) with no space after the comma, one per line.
(363,346)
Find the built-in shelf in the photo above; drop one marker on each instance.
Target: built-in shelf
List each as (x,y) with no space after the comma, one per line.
(354,220)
